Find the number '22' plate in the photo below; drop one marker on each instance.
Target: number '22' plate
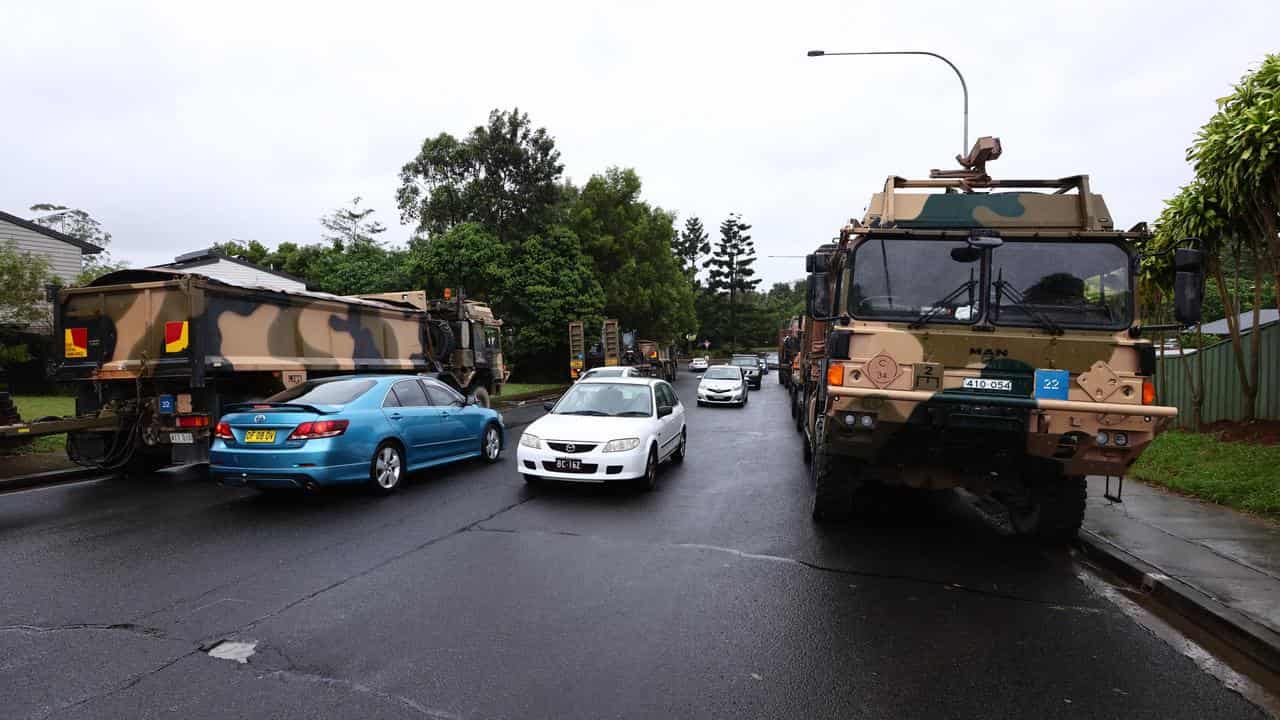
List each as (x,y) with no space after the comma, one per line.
(1052,384)
(988,384)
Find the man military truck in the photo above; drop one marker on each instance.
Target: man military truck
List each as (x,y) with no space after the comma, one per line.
(155,355)
(985,337)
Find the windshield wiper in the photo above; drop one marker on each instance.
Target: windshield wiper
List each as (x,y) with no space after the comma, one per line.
(632,413)
(939,305)
(584,412)
(1004,289)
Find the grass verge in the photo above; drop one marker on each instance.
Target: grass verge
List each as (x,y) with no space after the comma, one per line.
(512,389)
(1235,474)
(36,406)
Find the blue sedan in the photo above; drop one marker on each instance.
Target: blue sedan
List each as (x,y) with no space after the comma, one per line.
(370,429)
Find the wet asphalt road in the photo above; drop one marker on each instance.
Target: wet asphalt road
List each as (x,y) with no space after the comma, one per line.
(470,595)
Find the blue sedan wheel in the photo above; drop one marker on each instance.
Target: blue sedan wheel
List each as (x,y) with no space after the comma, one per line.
(491,446)
(386,469)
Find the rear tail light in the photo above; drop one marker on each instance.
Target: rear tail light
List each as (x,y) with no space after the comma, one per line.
(223,432)
(319,429)
(193,421)
(1148,393)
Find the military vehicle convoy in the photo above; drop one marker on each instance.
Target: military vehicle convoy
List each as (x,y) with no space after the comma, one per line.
(615,347)
(986,337)
(155,355)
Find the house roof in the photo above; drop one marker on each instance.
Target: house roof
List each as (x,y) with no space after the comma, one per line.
(86,248)
(211,255)
(1266,316)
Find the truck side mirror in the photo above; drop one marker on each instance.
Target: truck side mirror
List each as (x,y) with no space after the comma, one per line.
(1188,285)
(817,262)
(817,296)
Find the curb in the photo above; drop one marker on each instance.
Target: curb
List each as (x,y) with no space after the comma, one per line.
(1258,642)
(52,477)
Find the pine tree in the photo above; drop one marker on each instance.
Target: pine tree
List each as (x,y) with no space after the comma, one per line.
(732,267)
(690,246)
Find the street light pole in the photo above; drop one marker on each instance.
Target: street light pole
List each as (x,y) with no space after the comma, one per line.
(964,149)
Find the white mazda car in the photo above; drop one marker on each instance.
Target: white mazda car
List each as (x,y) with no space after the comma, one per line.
(606,429)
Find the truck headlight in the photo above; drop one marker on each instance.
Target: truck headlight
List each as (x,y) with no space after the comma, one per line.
(531,441)
(622,445)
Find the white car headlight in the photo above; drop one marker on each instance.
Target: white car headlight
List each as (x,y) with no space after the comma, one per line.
(622,445)
(531,441)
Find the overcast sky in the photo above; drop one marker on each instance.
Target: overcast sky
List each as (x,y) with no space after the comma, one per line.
(180,127)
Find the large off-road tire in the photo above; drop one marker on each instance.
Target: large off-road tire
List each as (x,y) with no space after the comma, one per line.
(835,484)
(481,396)
(1055,509)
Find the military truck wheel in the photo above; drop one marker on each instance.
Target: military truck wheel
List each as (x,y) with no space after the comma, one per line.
(834,486)
(806,450)
(481,396)
(1052,509)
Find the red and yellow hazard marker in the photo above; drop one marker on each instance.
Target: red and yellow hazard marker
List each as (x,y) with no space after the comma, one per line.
(75,342)
(175,336)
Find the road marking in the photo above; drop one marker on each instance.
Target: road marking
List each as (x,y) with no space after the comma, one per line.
(239,652)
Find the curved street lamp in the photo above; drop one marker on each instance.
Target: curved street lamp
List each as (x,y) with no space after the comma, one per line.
(964,149)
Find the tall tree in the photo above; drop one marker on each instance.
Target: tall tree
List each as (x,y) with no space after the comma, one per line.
(503,175)
(351,226)
(80,225)
(731,268)
(1237,156)
(690,247)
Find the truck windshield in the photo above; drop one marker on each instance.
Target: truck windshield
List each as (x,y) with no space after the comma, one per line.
(1080,284)
(900,279)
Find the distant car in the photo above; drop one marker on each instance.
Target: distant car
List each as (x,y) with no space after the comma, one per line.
(723,385)
(771,360)
(750,365)
(699,364)
(604,430)
(617,371)
(763,364)
(371,429)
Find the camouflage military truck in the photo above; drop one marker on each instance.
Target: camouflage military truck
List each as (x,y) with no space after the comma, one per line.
(155,355)
(986,337)
(788,345)
(470,353)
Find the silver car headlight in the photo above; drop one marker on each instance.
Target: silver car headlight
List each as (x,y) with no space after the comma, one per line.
(531,441)
(622,445)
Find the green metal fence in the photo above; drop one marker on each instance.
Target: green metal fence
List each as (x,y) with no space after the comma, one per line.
(1223,399)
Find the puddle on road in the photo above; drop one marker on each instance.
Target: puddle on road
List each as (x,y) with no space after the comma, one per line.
(239,652)
(1206,652)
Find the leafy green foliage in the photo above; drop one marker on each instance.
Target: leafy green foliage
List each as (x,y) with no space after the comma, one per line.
(550,284)
(503,176)
(351,226)
(629,243)
(466,255)
(22,295)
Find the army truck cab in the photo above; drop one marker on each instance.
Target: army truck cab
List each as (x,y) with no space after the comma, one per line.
(982,334)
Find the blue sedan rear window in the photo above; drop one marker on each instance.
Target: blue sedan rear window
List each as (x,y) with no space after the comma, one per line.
(321,392)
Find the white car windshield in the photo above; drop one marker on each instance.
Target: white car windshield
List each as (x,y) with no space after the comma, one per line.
(606,400)
(723,373)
